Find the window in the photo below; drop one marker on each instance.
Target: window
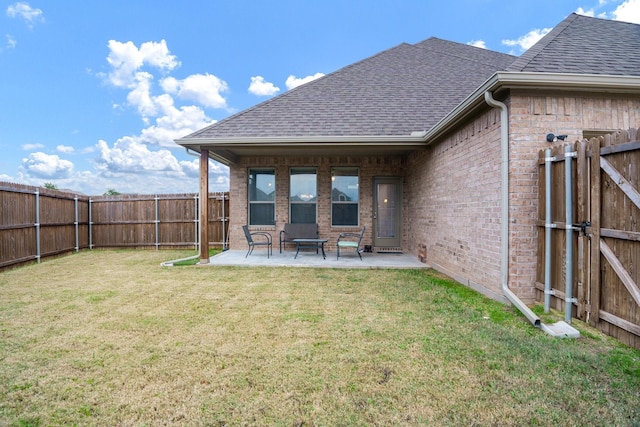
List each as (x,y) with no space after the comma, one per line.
(344,196)
(262,197)
(303,196)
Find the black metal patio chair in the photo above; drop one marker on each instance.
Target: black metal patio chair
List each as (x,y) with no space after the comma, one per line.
(252,243)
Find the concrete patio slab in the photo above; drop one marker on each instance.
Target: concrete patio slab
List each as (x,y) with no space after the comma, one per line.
(309,258)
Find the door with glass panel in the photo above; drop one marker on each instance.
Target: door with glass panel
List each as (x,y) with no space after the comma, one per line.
(387,212)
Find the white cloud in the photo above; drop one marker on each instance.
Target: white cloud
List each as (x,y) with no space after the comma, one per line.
(128,162)
(132,163)
(29,147)
(140,96)
(26,12)
(528,40)
(205,89)
(171,122)
(262,88)
(174,124)
(43,165)
(126,59)
(11,42)
(129,155)
(293,81)
(65,149)
(478,43)
(590,12)
(628,11)
(164,120)
(192,169)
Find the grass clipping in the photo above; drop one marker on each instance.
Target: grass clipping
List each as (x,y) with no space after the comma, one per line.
(111,338)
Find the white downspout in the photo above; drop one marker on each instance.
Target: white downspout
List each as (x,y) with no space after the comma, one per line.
(504,211)
(559,329)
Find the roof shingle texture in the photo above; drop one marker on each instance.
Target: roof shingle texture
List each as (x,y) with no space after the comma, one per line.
(585,45)
(411,87)
(404,89)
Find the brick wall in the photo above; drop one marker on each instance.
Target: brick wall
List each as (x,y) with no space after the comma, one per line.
(532,116)
(454,203)
(369,167)
(454,187)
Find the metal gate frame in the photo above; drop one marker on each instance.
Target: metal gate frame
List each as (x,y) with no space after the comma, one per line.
(602,268)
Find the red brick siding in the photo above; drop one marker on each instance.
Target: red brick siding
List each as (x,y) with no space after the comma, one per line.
(454,187)
(454,202)
(368,167)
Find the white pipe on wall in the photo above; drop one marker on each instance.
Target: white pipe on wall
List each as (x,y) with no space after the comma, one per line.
(504,211)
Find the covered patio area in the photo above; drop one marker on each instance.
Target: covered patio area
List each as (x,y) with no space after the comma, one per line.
(309,258)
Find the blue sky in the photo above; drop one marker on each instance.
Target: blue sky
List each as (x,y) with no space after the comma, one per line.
(93,93)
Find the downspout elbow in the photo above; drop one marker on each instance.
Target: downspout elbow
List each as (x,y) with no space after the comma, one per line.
(191,152)
(504,211)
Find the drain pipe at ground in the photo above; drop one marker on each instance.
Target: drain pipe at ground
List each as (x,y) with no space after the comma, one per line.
(558,329)
(189,258)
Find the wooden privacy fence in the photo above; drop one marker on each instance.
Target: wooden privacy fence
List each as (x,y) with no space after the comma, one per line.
(38,222)
(595,255)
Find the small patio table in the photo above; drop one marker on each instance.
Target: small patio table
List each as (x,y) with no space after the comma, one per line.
(310,243)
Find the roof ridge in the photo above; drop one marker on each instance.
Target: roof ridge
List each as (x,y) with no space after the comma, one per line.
(536,49)
(465,45)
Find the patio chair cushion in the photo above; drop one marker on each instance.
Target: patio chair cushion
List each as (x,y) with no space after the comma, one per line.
(348,244)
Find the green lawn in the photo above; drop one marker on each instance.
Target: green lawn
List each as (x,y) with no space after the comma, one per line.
(111,338)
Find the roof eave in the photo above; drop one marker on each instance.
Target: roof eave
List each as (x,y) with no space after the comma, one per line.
(527,80)
(221,149)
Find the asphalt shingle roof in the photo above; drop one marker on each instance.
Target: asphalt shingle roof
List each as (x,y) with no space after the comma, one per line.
(585,45)
(411,87)
(404,89)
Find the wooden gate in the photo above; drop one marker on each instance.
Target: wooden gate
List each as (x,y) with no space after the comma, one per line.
(606,240)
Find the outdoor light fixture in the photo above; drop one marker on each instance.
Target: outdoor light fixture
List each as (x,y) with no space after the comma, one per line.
(553,138)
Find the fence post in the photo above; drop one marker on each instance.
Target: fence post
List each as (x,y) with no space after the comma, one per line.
(90,225)
(75,222)
(224,219)
(37,225)
(157,221)
(548,164)
(568,158)
(196,220)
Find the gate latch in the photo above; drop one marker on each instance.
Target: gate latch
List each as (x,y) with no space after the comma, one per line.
(582,227)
